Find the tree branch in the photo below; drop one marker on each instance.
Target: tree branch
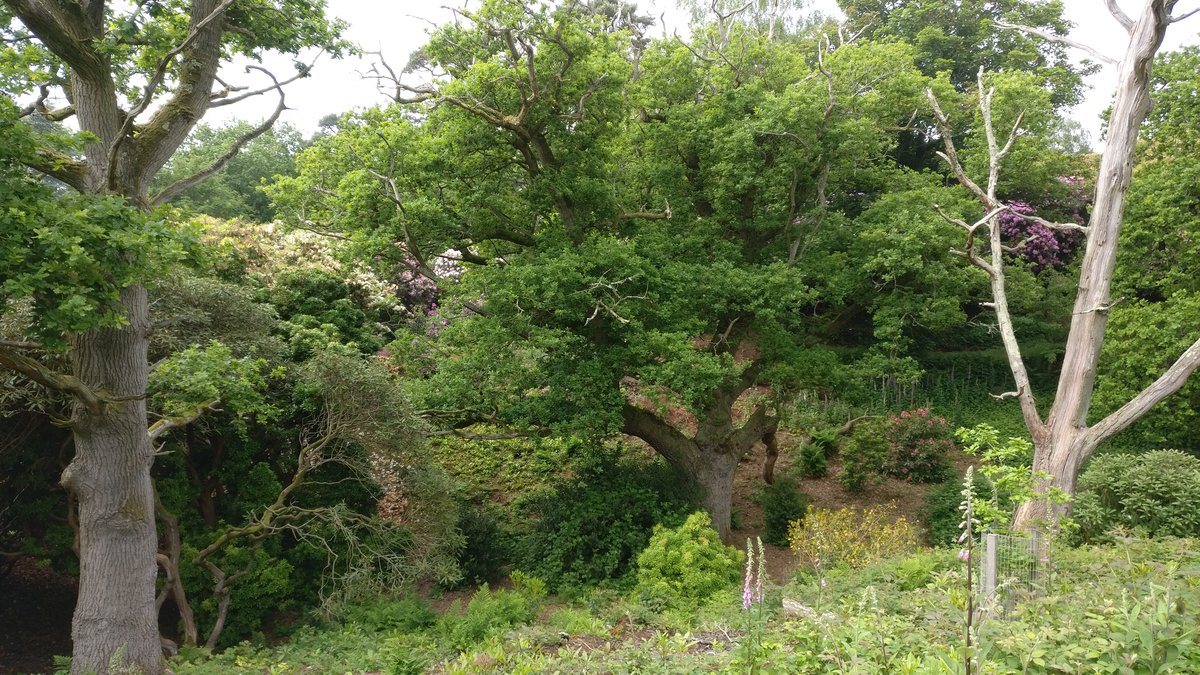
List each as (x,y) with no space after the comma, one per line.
(1168,383)
(173,190)
(166,424)
(155,81)
(94,401)
(1050,37)
(1118,14)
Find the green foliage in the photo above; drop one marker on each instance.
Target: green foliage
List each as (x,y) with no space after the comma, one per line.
(958,38)
(269,588)
(490,612)
(920,444)
(1007,468)
(71,255)
(487,549)
(815,451)
(782,503)
(940,512)
(233,192)
(863,457)
(408,614)
(198,376)
(592,527)
(849,536)
(1155,493)
(685,567)
(1128,608)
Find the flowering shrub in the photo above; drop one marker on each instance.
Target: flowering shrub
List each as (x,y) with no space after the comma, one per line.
(1035,243)
(919,444)
(851,537)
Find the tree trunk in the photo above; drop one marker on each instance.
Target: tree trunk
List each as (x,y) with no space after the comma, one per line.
(115,622)
(1056,464)
(713,471)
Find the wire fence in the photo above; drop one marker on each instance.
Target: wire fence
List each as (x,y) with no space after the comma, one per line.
(1012,569)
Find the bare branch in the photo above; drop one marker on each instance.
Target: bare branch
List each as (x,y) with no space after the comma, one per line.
(1119,14)
(173,190)
(951,154)
(1169,383)
(1099,56)
(1185,15)
(220,98)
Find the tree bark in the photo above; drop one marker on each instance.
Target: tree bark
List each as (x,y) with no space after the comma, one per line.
(116,619)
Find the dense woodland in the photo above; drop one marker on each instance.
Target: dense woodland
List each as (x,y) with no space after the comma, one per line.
(587,313)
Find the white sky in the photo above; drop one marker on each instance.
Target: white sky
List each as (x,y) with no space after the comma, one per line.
(398,27)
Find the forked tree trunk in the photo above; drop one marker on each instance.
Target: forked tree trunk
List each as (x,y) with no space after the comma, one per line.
(116,619)
(1064,441)
(710,459)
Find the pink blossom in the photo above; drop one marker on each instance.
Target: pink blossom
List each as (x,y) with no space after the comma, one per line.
(964,555)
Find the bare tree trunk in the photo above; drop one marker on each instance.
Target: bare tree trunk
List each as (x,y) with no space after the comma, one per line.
(116,619)
(1064,441)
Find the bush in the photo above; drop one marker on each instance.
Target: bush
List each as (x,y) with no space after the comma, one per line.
(487,547)
(593,527)
(1157,493)
(851,536)
(863,458)
(918,446)
(781,503)
(684,567)
(941,514)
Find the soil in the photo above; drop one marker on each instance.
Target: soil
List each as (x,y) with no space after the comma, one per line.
(35,618)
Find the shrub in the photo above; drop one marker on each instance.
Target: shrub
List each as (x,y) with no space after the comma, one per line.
(918,446)
(863,458)
(684,567)
(592,527)
(1157,493)
(781,503)
(941,514)
(487,547)
(851,537)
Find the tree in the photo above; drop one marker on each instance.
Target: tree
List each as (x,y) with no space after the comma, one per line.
(136,78)
(234,191)
(1066,437)
(633,222)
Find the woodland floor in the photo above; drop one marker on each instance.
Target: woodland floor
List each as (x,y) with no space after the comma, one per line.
(35,618)
(36,604)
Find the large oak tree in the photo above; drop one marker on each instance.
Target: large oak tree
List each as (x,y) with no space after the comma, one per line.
(642,225)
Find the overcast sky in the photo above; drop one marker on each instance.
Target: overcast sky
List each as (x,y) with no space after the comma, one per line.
(398,27)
